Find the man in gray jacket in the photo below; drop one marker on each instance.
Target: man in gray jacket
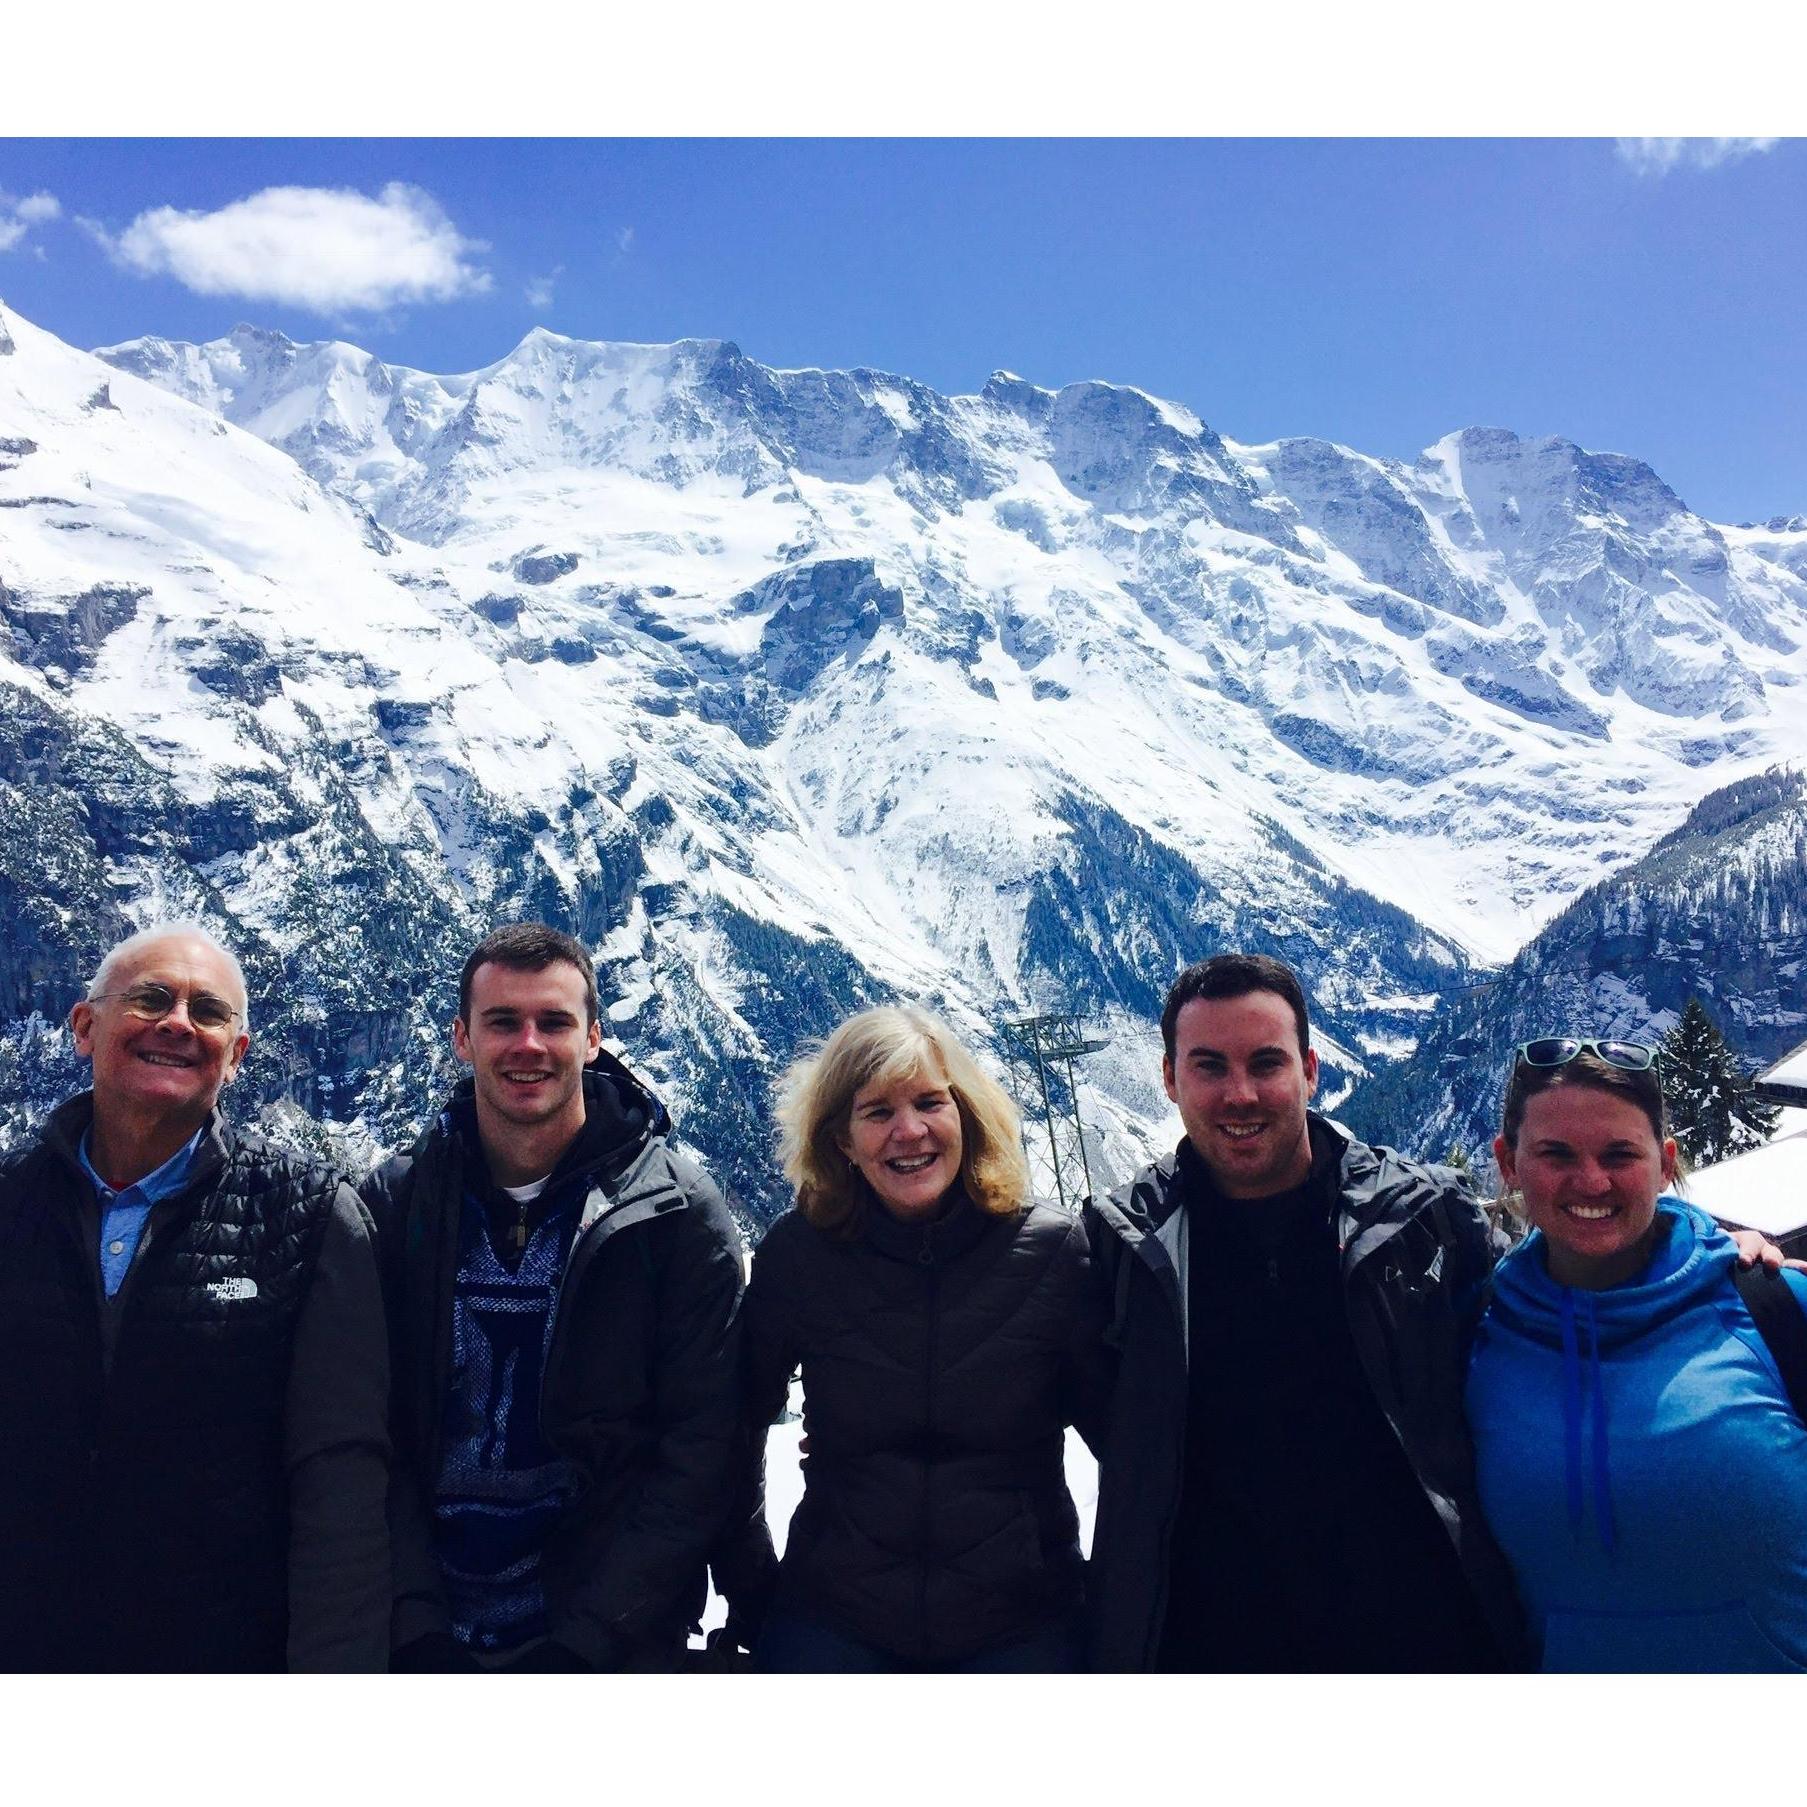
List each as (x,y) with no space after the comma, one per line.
(1288,1484)
(193,1370)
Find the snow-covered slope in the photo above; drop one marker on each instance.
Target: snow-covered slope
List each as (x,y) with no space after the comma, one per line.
(796,688)
(1716,910)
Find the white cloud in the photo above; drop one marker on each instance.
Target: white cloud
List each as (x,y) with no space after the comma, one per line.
(1657,156)
(324,249)
(539,288)
(18,216)
(624,240)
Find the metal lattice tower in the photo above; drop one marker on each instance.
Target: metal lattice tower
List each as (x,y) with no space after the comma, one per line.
(1039,1052)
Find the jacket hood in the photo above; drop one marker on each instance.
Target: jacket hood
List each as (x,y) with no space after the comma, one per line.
(1139,1207)
(1690,1259)
(621,1115)
(1375,1189)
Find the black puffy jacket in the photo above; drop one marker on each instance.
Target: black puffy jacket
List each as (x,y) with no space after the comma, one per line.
(941,1365)
(144,1487)
(640,1385)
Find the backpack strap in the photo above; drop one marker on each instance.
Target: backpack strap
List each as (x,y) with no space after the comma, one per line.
(1782,1323)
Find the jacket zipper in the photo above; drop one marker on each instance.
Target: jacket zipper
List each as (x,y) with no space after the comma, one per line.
(927,1261)
(1395,1380)
(109,1313)
(88,1263)
(559,1314)
(589,1234)
(157,1222)
(1158,1619)
(1158,1624)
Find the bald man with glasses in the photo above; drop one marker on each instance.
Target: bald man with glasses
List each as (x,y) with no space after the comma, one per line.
(193,1365)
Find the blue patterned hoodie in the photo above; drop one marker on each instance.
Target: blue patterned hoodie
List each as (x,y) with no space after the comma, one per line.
(1640,1464)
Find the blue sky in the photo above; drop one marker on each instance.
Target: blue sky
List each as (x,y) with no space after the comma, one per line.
(1378,292)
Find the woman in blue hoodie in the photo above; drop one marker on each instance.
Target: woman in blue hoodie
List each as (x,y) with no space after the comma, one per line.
(1638,1458)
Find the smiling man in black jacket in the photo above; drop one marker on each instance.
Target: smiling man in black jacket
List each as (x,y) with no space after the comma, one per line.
(563,1290)
(1288,1484)
(192,1365)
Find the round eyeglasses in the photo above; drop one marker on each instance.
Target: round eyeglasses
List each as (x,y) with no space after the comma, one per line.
(153,1003)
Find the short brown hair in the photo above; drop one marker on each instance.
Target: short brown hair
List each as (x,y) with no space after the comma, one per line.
(1644,1089)
(529,947)
(883,1046)
(1234,976)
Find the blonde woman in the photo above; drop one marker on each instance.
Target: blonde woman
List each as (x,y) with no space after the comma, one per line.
(947,1334)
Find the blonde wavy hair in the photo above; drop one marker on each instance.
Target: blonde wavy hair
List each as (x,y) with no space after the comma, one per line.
(887,1046)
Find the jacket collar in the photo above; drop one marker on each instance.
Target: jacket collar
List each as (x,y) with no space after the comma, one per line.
(929,1244)
(1140,1208)
(621,1118)
(1372,1195)
(69,1122)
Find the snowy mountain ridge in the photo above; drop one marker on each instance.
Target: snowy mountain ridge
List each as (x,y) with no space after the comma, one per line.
(1717,910)
(794,688)
(1307,584)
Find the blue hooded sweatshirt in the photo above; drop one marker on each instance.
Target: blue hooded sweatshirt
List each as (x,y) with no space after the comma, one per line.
(1640,1464)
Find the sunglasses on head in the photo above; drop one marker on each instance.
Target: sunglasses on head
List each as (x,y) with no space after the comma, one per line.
(1559,1050)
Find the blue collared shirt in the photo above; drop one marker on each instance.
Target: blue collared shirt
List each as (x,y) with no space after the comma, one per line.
(123,1214)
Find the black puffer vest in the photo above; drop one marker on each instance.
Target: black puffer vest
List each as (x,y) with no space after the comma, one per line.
(143,1500)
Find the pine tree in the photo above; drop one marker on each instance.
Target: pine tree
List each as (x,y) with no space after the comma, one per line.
(1712,1102)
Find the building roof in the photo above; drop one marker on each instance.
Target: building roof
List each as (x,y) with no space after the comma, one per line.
(1786,1079)
(1762,1189)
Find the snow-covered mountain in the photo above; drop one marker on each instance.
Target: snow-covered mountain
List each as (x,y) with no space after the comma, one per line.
(1716,910)
(791,689)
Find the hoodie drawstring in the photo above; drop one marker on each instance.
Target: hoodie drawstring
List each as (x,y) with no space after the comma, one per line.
(1572,1415)
(1571,1409)
(1602,1470)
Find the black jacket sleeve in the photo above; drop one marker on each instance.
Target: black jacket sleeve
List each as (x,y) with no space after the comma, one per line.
(418,1605)
(337,1448)
(1089,1367)
(745,1562)
(665,1536)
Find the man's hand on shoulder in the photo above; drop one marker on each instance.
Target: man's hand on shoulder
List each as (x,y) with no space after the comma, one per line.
(1754,1247)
